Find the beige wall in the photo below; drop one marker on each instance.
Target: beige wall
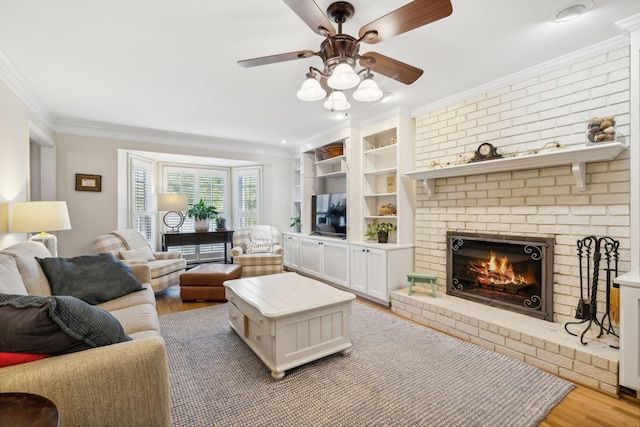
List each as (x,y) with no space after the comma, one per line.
(94,213)
(17,124)
(517,118)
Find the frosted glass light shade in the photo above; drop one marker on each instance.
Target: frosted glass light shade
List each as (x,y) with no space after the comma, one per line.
(311,90)
(368,91)
(343,77)
(337,101)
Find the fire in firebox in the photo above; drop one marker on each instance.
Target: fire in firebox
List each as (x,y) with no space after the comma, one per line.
(497,273)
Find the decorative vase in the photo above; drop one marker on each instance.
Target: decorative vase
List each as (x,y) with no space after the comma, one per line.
(221,224)
(202,225)
(383,236)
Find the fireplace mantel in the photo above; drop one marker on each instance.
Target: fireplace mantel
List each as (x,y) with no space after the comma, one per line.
(577,157)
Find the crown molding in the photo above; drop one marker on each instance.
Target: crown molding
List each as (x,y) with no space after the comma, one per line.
(536,70)
(391,114)
(16,82)
(629,25)
(132,133)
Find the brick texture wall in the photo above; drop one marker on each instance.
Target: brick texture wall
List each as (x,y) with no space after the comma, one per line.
(518,118)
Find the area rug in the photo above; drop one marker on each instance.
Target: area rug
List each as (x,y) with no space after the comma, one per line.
(398,374)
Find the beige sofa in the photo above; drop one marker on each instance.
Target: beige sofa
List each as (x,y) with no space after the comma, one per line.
(124,384)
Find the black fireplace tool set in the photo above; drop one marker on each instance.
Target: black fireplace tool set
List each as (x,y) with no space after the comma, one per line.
(590,252)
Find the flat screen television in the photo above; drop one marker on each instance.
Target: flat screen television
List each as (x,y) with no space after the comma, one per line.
(329,214)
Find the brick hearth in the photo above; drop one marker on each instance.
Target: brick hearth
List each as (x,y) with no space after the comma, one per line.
(543,344)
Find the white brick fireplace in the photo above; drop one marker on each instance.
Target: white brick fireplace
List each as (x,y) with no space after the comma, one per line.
(527,114)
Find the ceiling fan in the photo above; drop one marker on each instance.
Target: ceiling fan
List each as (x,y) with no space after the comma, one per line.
(340,52)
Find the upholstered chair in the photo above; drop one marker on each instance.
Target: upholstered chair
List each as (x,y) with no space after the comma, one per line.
(257,249)
(131,247)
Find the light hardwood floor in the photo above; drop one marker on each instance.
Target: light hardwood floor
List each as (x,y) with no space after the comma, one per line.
(582,407)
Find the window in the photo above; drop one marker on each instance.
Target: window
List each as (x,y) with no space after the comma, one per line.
(141,208)
(210,184)
(248,196)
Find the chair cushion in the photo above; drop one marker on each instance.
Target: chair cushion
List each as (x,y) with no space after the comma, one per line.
(55,325)
(92,278)
(258,259)
(141,254)
(162,267)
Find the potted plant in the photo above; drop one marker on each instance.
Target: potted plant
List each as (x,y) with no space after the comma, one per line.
(202,214)
(380,231)
(221,223)
(296,224)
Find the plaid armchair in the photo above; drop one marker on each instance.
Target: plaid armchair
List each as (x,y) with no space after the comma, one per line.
(257,249)
(130,246)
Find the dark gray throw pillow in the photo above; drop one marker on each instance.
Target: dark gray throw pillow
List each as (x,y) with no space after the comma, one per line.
(55,325)
(92,278)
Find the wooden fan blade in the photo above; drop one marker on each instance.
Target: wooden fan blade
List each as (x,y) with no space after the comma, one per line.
(392,68)
(276,58)
(406,18)
(310,13)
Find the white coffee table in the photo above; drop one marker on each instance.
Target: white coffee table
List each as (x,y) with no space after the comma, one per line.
(288,319)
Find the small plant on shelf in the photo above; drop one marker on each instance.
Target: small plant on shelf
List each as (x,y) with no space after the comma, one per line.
(379,232)
(296,224)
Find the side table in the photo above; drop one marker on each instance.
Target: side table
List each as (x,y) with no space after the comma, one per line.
(26,409)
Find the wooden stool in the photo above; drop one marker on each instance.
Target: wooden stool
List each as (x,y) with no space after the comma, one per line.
(415,277)
(205,281)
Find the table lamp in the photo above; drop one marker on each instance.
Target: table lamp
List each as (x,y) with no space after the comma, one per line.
(173,203)
(39,218)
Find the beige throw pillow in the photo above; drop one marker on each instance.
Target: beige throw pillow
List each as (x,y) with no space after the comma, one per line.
(259,246)
(140,254)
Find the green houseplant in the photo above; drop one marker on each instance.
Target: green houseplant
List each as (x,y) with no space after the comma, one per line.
(202,214)
(380,231)
(296,224)
(221,223)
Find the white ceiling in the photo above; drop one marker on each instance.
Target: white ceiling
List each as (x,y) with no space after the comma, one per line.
(171,65)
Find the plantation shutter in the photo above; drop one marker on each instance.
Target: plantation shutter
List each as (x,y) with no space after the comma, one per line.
(141,202)
(210,184)
(248,192)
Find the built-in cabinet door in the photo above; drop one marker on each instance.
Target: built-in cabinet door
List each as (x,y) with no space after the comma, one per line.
(335,260)
(377,274)
(291,246)
(310,252)
(359,268)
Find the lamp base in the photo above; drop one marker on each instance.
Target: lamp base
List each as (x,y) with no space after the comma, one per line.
(48,240)
(171,222)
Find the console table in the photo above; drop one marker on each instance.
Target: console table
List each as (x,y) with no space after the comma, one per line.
(200,238)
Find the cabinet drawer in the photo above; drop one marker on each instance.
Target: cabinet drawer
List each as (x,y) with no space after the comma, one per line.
(236,318)
(257,335)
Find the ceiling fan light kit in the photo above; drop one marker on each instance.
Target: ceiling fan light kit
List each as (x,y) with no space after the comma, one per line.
(311,89)
(337,101)
(340,52)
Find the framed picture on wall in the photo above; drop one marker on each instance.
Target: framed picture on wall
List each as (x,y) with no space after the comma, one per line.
(86,182)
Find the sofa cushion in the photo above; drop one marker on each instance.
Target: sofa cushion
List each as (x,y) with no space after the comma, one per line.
(10,280)
(55,325)
(92,278)
(141,254)
(32,275)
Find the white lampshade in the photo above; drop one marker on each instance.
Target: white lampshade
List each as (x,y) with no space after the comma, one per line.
(311,90)
(172,202)
(337,101)
(40,217)
(343,77)
(368,90)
